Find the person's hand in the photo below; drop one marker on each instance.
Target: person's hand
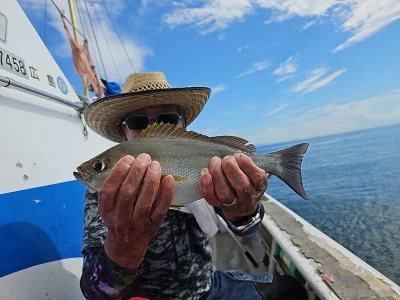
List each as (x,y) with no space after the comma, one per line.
(234,184)
(133,204)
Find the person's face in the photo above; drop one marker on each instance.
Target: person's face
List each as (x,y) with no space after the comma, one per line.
(133,124)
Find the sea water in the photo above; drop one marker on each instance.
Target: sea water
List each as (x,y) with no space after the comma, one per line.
(353,184)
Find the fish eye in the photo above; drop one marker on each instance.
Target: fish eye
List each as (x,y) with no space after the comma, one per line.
(99,165)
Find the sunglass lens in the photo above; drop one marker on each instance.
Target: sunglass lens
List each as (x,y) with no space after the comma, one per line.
(168,118)
(137,122)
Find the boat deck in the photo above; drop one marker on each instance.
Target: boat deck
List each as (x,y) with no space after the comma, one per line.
(310,250)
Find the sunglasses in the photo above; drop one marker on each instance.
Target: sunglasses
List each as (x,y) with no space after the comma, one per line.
(141,122)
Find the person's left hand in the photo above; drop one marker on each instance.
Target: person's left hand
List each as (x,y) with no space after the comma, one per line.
(234,184)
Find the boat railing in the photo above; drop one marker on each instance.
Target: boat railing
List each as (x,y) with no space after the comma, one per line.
(281,241)
(329,270)
(11,83)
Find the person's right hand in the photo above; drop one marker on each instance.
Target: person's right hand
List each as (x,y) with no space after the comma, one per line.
(133,204)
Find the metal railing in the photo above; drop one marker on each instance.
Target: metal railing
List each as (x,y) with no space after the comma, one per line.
(11,83)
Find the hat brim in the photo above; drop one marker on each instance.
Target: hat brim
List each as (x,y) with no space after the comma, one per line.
(105,115)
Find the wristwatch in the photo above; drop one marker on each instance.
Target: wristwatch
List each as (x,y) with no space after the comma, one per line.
(248,224)
(252,222)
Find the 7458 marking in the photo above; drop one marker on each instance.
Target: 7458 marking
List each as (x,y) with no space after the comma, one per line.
(12,63)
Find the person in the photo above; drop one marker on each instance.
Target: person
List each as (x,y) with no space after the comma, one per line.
(134,245)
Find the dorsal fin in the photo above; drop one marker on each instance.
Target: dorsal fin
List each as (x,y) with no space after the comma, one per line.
(236,142)
(170,131)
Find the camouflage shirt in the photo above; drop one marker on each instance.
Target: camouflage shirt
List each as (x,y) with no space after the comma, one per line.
(177,264)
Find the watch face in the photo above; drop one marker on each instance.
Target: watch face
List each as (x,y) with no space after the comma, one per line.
(253,221)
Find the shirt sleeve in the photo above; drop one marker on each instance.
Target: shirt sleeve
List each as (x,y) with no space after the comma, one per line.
(102,278)
(252,229)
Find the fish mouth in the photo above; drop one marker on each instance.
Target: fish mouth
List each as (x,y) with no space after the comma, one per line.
(81,176)
(84,178)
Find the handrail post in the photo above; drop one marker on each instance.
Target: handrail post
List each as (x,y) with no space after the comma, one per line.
(275,248)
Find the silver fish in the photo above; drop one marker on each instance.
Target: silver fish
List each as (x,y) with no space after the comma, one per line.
(183,154)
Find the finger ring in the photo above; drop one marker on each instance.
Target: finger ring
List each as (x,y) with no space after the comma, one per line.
(230,204)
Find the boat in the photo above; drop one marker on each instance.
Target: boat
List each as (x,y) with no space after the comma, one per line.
(44,137)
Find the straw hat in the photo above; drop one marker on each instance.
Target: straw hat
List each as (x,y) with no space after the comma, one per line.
(142,90)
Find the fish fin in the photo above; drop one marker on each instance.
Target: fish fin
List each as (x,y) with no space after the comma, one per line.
(236,142)
(176,177)
(290,172)
(170,131)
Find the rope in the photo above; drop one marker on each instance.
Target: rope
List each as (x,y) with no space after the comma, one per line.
(45,22)
(116,31)
(65,18)
(108,46)
(94,34)
(80,16)
(84,28)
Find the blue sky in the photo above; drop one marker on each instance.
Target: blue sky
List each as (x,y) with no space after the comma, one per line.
(279,70)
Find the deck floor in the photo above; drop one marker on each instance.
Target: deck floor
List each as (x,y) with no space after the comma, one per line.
(351,280)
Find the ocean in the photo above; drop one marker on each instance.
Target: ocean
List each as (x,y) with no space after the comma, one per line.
(353,184)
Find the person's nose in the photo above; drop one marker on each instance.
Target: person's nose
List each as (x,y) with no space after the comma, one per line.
(152,120)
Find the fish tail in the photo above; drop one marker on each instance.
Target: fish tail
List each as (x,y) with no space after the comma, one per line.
(289,167)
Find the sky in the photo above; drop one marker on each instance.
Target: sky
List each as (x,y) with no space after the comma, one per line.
(279,70)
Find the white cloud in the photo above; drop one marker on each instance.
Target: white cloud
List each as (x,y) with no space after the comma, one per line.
(362,18)
(315,75)
(177,4)
(210,131)
(251,107)
(308,25)
(240,49)
(315,82)
(256,67)
(214,15)
(286,9)
(367,17)
(370,108)
(122,67)
(117,66)
(284,78)
(218,88)
(221,36)
(367,113)
(278,109)
(286,69)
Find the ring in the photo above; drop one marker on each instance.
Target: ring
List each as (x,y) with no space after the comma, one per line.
(230,204)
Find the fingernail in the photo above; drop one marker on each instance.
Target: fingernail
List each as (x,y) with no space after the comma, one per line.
(215,160)
(155,166)
(242,156)
(204,171)
(206,180)
(128,161)
(226,157)
(144,158)
(237,155)
(229,157)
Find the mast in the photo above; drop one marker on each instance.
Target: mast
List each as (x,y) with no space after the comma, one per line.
(76,36)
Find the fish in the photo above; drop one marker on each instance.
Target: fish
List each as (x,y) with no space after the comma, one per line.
(184,154)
